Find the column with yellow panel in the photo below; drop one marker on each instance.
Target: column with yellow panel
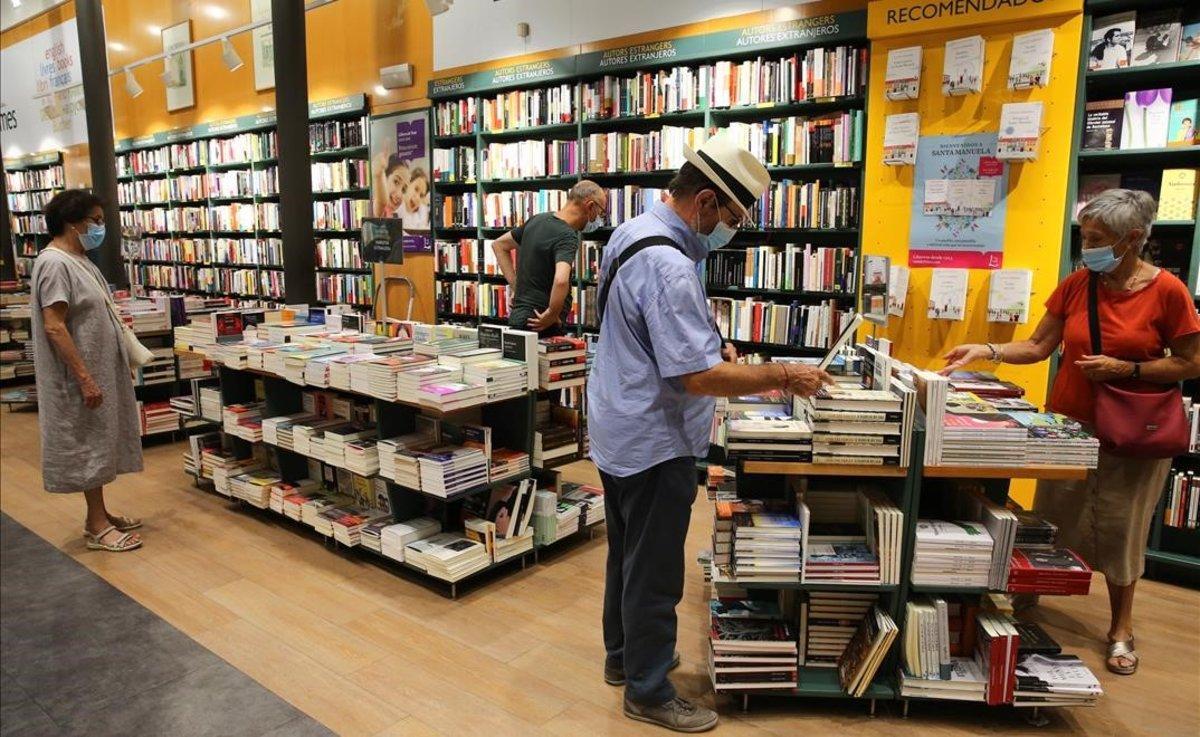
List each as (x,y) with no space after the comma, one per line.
(1035,189)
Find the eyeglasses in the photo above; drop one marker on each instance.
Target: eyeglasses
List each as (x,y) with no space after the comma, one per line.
(735,219)
(95,219)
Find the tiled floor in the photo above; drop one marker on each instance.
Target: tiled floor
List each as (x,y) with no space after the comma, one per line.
(80,657)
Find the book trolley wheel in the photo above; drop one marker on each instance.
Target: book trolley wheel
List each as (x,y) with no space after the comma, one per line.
(1036,718)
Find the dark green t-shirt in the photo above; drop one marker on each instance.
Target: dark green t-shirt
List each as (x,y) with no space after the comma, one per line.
(542,242)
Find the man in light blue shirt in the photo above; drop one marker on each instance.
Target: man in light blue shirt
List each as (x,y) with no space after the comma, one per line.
(659,362)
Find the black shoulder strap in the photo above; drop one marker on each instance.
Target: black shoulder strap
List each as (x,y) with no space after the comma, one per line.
(1094,312)
(630,251)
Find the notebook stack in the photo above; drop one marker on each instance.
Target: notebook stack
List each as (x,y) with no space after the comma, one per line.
(1059,571)
(451,470)
(590,500)
(781,439)
(243,420)
(766,545)
(1055,680)
(501,379)
(965,683)
(449,556)
(753,646)
(562,362)
(254,487)
(393,539)
(450,396)
(952,554)
(1057,440)
(828,621)
(855,426)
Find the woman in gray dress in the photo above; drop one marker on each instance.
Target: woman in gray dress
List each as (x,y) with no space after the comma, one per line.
(87,410)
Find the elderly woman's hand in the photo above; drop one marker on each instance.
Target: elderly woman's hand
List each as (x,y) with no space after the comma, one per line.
(1103,368)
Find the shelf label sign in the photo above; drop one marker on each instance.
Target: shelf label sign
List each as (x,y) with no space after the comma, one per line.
(513,75)
(819,29)
(887,18)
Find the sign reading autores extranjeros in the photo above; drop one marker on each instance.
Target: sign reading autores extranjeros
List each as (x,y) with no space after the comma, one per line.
(906,17)
(829,28)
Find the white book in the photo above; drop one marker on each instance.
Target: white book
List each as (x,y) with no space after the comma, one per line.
(947,294)
(897,290)
(1030,63)
(903,78)
(1112,41)
(1008,295)
(962,71)
(1020,131)
(900,136)
(1146,119)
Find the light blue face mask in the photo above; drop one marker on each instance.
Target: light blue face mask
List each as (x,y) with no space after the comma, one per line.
(1101,260)
(719,237)
(593,225)
(93,238)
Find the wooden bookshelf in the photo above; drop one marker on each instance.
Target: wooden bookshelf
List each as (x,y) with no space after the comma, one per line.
(791,468)
(1006,472)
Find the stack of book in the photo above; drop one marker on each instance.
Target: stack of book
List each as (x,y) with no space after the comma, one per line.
(1055,680)
(394,538)
(341,369)
(399,456)
(855,426)
(722,552)
(971,438)
(767,544)
(292,505)
(501,379)
(954,554)
(753,646)
(553,519)
(507,463)
(450,396)
(927,638)
(254,487)
(554,440)
(378,378)
(721,483)
(371,534)
(362,456)
(828,621)
(862,657)
(276,430)
(1034,532)
(330,446)
(243,420)
(997,643)
(851,536)
(284,489)
(435,340)
(781,439)
(1060,571)
(1001,524)
(409,383)
(450,470)
(562,362)
(158,417)
(449,556)
(965,682)
(589,499)
(1057,440)
(210,403)
(347,528)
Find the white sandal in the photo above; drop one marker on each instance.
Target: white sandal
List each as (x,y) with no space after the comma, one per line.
(1122,649)
(124,543)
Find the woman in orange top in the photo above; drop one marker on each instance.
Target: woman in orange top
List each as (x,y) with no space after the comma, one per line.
(1144,312)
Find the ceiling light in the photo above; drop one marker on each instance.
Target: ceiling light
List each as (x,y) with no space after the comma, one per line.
(16,3)
(154,30)
(216,12)
(229,55)
(117,46)
(437,7)
(131,84)
(381,90)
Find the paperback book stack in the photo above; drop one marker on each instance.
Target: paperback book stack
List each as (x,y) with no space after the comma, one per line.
(851,536)
(285,489)
(828,621)
(341,369)
(1034,532)
(767,544)
(783,439)
(965,682)
(589,499)
(507,463)
(210,403)
(348,527)
(753,646)
(362,456)
(410,383)
(957,554)
(394,538)
(293,504)
(1060,571)
(562,362)
(721,483)
(157,417)
(220,466)
(927,639)
(254,487)
(553,519)
(378,378)
(975,434)
(449,556)
(554,440)
(1001,524)
(451,470)
(243,420)
(722,552)
(399,457)
(501,379)
(330,445)
(864,655)
(278,430)
(450,396)
(855,426)
(469,357)
(436,340)
(371,534)
(1057,440)
(312,512)
(1055,680)
(996,650)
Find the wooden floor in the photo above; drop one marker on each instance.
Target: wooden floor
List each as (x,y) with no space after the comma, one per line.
(367,652)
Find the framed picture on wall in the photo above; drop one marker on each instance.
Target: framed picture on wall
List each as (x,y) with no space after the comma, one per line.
(264,46)
(177,67)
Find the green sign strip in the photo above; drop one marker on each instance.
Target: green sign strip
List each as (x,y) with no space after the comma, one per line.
(31,160)
(817,30)
(257,121)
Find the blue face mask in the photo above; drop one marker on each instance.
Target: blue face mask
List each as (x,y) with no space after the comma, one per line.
(93,238)
(1100,260)
(720,235)
(593,225)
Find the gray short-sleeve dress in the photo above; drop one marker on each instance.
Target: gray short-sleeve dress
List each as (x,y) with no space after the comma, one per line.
(82,448)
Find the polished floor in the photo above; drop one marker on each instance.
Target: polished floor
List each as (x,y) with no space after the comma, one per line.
(366,652)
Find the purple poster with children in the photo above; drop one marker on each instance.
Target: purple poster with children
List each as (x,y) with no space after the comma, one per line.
(400,175)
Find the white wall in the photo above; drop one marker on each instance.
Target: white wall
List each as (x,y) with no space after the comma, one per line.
(475,31)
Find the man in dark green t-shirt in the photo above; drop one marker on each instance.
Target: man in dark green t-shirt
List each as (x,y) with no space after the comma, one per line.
(540,282)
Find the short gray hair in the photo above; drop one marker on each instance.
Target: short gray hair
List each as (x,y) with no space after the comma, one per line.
(586,190)
(1122,210)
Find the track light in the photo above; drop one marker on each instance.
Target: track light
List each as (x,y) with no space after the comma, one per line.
(437,7)
(229,55)
(131,84)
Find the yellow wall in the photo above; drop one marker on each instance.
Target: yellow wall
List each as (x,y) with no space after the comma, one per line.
(1035,198)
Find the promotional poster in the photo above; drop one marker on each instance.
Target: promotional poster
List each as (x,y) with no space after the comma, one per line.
(401,177)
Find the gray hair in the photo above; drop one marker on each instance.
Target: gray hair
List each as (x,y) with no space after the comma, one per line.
(586,190)
(1122,210)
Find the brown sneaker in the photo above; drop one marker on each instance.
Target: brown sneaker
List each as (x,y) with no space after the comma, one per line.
(615,676)
(679,715)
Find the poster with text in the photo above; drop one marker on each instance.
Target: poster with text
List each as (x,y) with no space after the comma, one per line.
(400,175)
(41,108)
(958,203)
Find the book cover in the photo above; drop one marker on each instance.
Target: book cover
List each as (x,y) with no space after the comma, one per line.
(1030,63)
(1112,41)
(962,71)
(1189,42)
(897,290)
(900,139)
(1020,131)
(1177,196)
(1146,118)
(947,294)
(1102,124)
(1181,128)
(903,78)
(1008,295)
(1156,37)
(1091,185)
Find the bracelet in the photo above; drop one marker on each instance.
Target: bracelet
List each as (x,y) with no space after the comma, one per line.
(996,357)
(1137,370)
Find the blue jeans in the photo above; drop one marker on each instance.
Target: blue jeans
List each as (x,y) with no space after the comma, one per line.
(647,516)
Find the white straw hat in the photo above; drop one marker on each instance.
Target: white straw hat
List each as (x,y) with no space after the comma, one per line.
(733,169)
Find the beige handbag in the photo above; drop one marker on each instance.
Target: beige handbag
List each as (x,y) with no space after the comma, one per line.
(135,353)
